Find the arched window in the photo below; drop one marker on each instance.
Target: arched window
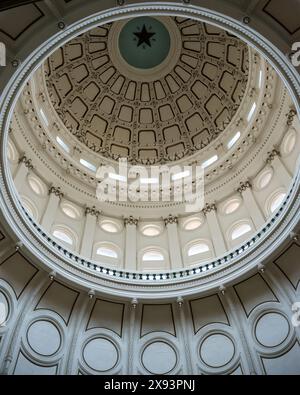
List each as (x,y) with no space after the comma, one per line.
(231,205)
(192,223)
(70,210)
(275,201)
(65,235)
(11,152)
(110,226)
(199,248)
(37,186)
(151,230)
(233,140)
(107,252)
(153,255)
(264,178)
(30,207)
(289,142)
(240,230)
(198,251)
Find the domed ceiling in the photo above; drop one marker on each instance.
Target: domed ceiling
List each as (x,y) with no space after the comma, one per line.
(148,89)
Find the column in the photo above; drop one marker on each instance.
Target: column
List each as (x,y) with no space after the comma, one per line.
(279,168)
(210,211)
(171,223)
(130,243)
(55,195)
(91,216)
(21,173)
(253,208)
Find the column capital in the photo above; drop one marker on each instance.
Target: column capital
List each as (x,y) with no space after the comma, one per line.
(171,219)
(272,155)
(244,186)
(56,191)
(92,211)
(131,221)
(290,116)
(209,207)
(27,162)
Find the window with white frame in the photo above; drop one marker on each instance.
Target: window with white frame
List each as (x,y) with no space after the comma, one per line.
(64,235)
(240,230)
(153,255)
(37,185)
(274,202)
(198,250)
(107,252)
(30,207)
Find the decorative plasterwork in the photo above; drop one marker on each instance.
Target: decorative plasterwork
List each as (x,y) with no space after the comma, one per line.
(171,117)
(209,208)
(290,116)
(56,191)
(27,162)
(131,221)
(265,126)
(171,219)
(92,211)
(244,186)
(272,155)
(50,255)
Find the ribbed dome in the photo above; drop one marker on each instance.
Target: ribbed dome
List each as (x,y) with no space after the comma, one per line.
(155,114)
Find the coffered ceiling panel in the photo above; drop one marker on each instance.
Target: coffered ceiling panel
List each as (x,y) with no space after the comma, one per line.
(162,114)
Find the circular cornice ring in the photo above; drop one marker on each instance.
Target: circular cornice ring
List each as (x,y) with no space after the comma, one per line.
(37,246)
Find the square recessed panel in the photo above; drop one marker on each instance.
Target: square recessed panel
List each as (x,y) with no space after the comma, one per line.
(287,15)
(26,16)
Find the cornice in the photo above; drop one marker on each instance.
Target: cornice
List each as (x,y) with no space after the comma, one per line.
(211,178)
(73,268)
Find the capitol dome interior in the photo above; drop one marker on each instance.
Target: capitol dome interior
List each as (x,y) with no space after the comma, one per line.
(106,268)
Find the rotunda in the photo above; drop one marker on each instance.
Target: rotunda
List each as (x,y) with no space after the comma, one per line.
(149,188)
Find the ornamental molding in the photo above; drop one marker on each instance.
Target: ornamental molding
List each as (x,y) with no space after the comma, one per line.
(69,164)
(272,155)
(209,208)
(171,219)
(27,162)
(290,116)
(244,186)
(131,221)
(126,114)
(67,264)
(56,191)
(92,211)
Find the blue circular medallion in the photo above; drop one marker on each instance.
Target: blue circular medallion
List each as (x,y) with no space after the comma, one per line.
(144,42)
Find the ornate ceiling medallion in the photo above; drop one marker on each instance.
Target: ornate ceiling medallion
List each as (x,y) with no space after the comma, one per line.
(144,42)
(123,96)
(144,49)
